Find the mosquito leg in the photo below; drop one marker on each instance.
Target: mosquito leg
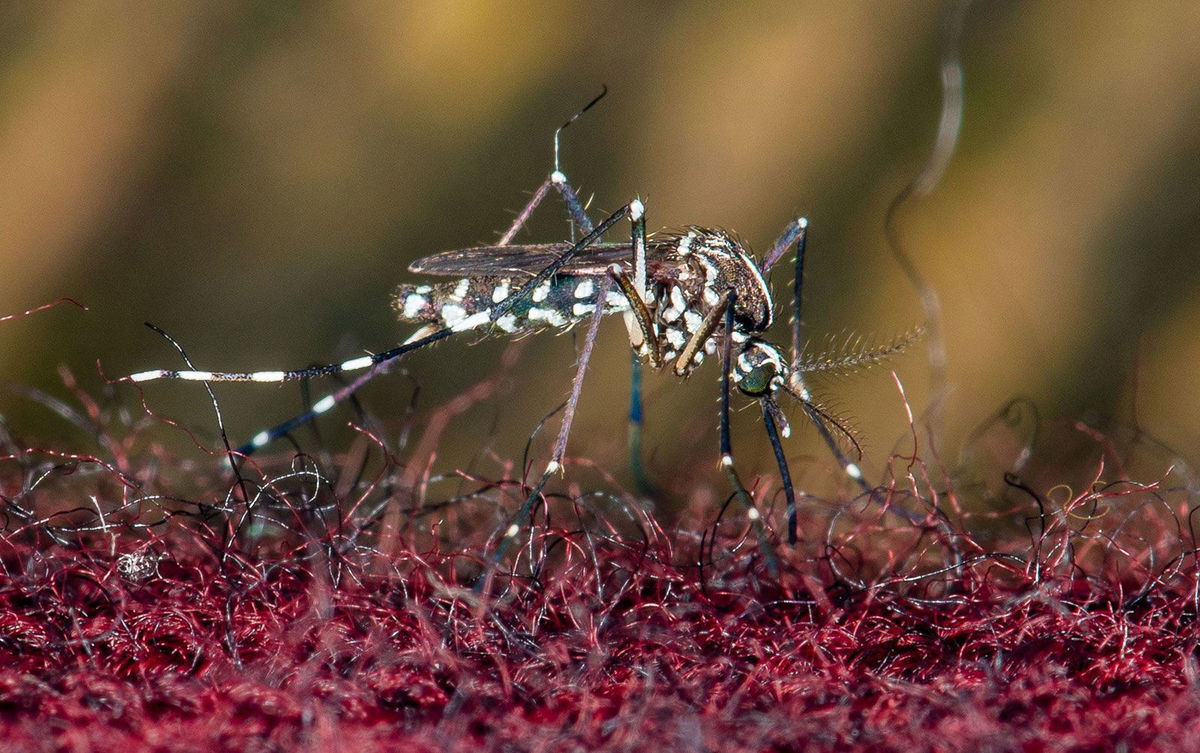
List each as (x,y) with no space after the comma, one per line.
(521,520)
(574,206)
(354,364)
(851,469)
(420,338)
(376,361)
(797,232)
(636,423)
(637,293)
(334,398)
(557,180)
(525,214)
(797,288)
(708,325)
(795,229)
(727,465)
(645,333)
(636,211)
(769,411)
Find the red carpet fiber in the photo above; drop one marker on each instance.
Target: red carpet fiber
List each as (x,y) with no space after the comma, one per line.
(146,606)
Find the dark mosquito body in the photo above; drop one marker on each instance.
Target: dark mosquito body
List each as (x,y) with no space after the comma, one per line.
(684,297)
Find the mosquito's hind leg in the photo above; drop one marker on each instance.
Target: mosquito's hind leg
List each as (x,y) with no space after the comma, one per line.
(639,302)
(558,181)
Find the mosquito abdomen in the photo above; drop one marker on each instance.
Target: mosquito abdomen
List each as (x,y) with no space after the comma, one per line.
(472,302)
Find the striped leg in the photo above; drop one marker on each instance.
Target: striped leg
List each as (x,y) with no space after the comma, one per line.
(739,490)
(797,232)
(636,212)
(772,420)
(379,361)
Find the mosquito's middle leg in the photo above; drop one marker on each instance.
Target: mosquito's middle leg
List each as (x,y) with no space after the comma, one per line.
(636,212)
(521,520)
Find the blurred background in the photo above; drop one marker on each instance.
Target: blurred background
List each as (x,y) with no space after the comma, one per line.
(255,178)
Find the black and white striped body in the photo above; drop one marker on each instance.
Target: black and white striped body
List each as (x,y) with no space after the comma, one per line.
(687,273)
(468,303)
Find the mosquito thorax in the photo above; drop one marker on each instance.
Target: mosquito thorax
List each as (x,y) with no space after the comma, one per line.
(760,365)
(721,262)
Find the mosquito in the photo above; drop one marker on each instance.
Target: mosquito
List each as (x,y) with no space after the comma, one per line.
(685,296)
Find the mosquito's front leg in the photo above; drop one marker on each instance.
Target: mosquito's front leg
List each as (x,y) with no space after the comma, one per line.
(644,333)
(797,288)
(708,325)
(756,521)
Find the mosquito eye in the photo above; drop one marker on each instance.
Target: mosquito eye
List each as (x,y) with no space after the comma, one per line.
(756,380)
(755,375)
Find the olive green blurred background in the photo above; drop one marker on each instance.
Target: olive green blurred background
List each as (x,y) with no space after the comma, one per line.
(255,177)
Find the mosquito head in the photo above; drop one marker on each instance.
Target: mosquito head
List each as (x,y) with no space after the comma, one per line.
(761,368)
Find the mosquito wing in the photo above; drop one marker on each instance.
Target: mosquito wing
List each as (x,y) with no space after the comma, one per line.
(530,259)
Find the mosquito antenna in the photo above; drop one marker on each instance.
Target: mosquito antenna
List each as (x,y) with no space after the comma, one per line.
(572,119)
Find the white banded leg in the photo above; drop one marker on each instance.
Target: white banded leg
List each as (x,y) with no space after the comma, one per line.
(420,339)
(635,211)
(379,363)
(797,233)
(729,301)
(378,360)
